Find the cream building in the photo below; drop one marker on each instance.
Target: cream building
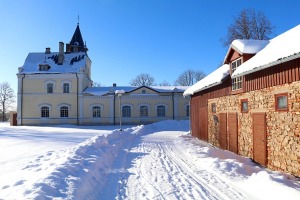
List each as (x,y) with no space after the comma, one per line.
(56,88)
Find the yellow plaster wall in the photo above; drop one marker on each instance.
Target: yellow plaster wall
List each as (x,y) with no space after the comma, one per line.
(39,85)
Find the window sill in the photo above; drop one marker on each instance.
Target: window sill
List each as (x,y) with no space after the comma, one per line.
(237,91)
(281,110)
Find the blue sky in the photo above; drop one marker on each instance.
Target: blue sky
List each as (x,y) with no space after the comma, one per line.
(127,37)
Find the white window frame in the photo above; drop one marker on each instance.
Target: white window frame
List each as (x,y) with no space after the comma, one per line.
(96,105)
(158,114)
(50,88)
(123,112)
(45,113)
(45,105)
(147,110)
(46,86)
(64,105)
(62,86)
(236,82)
(96,112)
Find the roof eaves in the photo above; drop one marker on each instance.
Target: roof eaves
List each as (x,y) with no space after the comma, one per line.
(258,68)
(203,88)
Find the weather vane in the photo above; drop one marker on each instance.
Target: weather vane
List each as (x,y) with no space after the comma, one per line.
(78,19)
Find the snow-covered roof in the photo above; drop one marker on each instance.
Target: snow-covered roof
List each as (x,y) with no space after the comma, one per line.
(247,46)
(170,88)
(280,49)
(72,63)
(100,91)
(215,78)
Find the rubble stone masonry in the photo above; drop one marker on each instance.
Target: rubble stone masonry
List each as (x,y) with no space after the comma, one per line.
(282,128)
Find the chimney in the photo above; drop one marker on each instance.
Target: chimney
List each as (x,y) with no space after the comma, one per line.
(61,53)
(114,85)
(68,48)
(48,51)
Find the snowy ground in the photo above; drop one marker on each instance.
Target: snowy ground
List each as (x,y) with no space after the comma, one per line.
(157,161)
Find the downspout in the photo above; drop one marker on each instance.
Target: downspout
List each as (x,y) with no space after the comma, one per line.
(173,105)
(114,109)
(77,101)
(22,99)
(190,119)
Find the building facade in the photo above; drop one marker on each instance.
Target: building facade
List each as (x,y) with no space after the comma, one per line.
(56,88)
(252,105)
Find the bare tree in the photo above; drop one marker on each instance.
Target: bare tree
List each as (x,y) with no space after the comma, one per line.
(164,83)
(142,79)
(97,84)
(7,98)
(249,24)
(189,77)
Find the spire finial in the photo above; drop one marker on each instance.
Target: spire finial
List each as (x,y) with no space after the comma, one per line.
(78,20)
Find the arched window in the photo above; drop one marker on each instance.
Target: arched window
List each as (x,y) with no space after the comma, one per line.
(143,111)
(126,111)
(161,111)
(66,87)
(64,111)
(96,112)
(49,87)
(45,111)
(187,111)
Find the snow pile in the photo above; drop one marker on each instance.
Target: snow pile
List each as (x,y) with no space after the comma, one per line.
(83,168)
(79,170)
(240,171)
(156,161)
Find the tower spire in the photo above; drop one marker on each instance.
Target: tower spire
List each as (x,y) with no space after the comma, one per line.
(77,43)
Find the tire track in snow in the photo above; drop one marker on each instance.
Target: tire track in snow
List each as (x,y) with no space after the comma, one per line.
(160,178)
(212,182)
(142,187)
(163,172)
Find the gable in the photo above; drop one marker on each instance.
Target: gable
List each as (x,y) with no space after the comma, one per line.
(143,91)
(241,47)
(233,55)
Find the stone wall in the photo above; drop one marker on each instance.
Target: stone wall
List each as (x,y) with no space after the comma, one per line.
(282,128)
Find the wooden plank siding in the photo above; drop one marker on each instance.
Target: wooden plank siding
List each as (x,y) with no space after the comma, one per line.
(260,139)
(223,131)
(277,75)
(203,124)
(199,101)
(194,117)
(233,132)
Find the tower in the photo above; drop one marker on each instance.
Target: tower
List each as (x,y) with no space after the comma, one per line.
(76,44)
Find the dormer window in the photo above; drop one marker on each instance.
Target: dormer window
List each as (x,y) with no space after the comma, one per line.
(236,82)
(235,64)
(44,67)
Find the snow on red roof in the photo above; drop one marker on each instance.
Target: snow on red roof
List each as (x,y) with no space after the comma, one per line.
(280,49)
(215,78)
